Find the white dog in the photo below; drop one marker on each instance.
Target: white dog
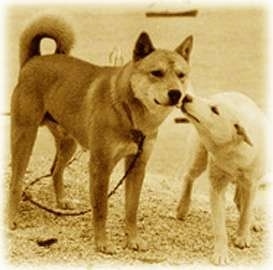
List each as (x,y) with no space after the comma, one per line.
(231,131)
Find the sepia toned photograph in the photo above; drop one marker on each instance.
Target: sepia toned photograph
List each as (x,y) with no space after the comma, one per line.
(136,135)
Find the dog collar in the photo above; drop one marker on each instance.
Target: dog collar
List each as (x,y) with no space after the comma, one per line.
(136,134)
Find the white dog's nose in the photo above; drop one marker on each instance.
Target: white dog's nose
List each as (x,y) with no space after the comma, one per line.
(187,99)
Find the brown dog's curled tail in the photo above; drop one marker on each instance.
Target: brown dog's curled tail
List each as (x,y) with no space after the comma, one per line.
(45,27)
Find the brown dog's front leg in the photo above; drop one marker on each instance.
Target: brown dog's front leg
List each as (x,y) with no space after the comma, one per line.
(132,194)
(99,180)
(133,188)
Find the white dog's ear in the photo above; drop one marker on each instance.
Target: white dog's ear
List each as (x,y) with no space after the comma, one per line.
(143,46)
(242,133)
(185,48)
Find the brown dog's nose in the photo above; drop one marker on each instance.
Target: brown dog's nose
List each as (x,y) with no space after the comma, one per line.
(174,96)
(187,99)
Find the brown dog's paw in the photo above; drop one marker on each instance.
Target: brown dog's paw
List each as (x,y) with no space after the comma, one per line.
(242,241)
(105,247)
(65,204)
(136,244)
(182,210)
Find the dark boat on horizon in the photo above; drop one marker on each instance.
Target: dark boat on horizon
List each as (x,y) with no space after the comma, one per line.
(187,13)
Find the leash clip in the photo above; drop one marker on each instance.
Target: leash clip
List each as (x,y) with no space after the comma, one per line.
(138,137)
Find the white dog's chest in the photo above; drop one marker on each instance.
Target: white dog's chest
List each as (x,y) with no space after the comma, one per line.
(235,166)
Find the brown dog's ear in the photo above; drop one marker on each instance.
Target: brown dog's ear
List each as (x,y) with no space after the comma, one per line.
(242,133)
(143,47)
(184,49)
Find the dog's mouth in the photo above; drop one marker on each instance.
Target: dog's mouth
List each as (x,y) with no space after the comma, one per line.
(163,104)
(189,115)
(193,117)
(157,102)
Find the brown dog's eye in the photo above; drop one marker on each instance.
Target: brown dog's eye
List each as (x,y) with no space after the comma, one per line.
(180,75)
(157,73)
(215,110)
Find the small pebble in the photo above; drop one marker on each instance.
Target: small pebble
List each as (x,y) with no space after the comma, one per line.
(46,242)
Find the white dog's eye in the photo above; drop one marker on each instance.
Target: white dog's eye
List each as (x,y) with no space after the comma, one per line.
(215,110)
(157,73)
(180,75)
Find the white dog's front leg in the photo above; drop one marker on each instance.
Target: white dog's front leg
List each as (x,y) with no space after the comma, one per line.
(198,165)
(217,200)
(243,238)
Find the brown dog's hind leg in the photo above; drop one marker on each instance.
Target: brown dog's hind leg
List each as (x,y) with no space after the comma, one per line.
(22,141)
(65,148)
(198,166)
(26,116)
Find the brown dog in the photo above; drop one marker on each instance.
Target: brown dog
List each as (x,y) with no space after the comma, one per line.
(98,107)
